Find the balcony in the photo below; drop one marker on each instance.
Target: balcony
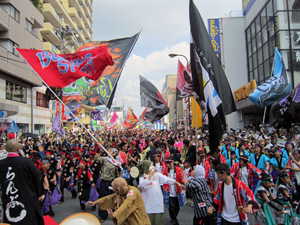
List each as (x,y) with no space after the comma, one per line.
(75,4)
(49,33)
(50,14)
(3,20)
(47,46)
(89,4)
(62,12)
(74,15)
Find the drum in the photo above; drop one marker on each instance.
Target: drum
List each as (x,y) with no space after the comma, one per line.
(134,172)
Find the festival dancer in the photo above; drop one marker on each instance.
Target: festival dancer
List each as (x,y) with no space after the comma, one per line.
(283,195)
(86,185)
(109,171)
(52,180)
(244,171)
(125,206)
(160,166)
(231,191)
(261,161)
(68,177)
(232,159)
(151,191)
(173,195)
(277,164)
(198,190)
(266,199)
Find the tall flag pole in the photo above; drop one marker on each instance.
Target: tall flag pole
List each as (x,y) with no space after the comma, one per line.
(209,80)
(97,141)
(153,100)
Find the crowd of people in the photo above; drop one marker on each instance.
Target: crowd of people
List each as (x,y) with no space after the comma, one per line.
(254,171)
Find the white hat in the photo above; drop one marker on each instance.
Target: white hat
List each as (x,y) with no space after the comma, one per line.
(81,219)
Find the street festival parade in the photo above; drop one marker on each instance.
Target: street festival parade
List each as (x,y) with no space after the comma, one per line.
(150,112)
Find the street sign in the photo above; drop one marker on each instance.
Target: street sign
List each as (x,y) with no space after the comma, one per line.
(1,114)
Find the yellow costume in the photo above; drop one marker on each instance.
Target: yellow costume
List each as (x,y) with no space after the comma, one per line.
(127,204)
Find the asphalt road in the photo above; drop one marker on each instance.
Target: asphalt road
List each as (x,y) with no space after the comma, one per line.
(71,206)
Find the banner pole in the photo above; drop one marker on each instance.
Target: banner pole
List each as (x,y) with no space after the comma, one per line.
(74,115)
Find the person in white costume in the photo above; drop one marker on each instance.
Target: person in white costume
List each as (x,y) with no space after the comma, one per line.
(152,194)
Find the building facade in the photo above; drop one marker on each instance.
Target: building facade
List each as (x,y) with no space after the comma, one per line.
(67,26)
(21,95)
(169,94)
(248,45)
(72,15)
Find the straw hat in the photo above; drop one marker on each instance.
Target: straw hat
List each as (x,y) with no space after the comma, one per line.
(81,219)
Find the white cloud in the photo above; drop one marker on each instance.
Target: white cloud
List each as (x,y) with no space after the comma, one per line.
(165,29)
(153,67)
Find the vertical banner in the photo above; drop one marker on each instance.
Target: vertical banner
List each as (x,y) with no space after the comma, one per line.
(198,115)
(214,34)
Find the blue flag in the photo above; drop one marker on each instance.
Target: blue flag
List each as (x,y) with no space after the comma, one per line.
(13,128)
(275,88)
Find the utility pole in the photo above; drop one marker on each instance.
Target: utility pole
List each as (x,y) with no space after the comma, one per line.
(64,32)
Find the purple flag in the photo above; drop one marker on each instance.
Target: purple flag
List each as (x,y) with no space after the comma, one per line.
(46,206)
(55,197)
(56,124)
(98,181)
(297,94)
(96,115)
(114,118)
(71,188)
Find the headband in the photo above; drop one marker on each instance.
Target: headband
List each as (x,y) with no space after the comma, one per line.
(244,158)
(267,179)
(84,162)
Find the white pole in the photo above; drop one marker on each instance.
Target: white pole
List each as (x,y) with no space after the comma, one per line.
(74,115)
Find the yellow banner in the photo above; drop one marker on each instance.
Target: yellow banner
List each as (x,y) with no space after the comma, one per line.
(198,114)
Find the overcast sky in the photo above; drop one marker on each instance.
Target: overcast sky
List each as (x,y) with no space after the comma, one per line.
(165,29)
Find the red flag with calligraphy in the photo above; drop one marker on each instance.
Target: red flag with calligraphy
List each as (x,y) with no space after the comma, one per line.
(59,70)
(131,119)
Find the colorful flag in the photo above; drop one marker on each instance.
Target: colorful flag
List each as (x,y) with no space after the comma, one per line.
(114,118)
(63,69)
(131,120)
(296,97)
(13,128)
(96,115)
(101,91)
(184,83)
(153,100)
(275,88)
(209,80)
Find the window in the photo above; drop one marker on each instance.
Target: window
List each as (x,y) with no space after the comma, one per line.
(16,92)
(28,25)
(12,11)
(9,46)
(41,100)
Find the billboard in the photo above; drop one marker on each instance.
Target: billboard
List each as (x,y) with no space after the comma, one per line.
(247,4)
(214,34)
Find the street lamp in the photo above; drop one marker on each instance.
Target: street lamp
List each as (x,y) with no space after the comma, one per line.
(172,55)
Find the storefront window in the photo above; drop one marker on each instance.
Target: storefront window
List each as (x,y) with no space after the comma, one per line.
(23,128)
(39,129)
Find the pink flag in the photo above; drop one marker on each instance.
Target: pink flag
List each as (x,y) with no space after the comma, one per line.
(114,118)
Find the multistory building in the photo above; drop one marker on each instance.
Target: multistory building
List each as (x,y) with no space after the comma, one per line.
(21,95)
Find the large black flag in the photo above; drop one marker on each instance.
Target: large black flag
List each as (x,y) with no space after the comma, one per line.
(101,92)
(153,100)
(209,80)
